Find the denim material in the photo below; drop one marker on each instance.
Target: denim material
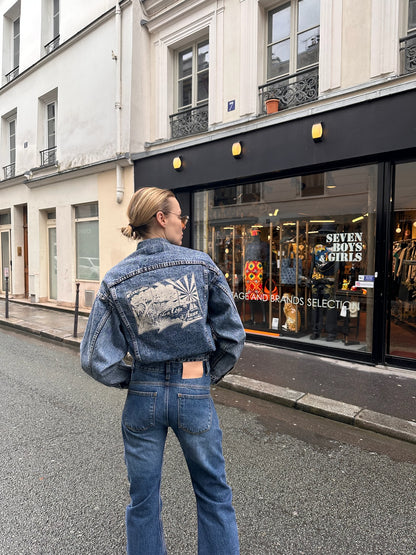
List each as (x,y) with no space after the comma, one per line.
(163,302)
(323,292)
(158,397)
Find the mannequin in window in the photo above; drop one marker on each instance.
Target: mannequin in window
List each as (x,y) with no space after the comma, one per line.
(255,258)
(323,278)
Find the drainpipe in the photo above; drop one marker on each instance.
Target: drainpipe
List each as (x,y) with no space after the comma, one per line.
(117,105)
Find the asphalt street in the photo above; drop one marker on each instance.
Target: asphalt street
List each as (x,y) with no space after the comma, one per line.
(302,484)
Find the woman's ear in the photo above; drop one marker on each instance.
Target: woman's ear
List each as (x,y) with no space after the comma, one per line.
(161,218)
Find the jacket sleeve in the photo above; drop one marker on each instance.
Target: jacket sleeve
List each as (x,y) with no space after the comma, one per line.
(227,329)
(104,345)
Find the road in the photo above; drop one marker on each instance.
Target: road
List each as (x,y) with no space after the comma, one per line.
(302,484)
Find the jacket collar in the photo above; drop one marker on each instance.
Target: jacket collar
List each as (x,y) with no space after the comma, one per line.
(152,246)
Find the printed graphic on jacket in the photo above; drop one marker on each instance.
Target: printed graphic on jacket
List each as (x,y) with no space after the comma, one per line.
(166,303)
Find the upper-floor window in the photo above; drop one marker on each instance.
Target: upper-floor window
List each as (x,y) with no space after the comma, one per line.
(11,42)
(51,25)
(192,90)
(408,43)
(411,16)
(293,37)
(16,42)
(10,127)
(48,108)
(55,18)
(292,53)
(193,75)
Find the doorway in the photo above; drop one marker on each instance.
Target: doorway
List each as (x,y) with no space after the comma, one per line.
(5,258)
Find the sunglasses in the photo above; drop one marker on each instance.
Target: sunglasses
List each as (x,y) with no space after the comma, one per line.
(184,219)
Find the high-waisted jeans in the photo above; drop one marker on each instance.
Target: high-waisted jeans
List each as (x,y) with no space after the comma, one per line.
(159,397)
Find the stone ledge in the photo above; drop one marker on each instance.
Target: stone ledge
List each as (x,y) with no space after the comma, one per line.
(387,425)
(337,410)
(269,392)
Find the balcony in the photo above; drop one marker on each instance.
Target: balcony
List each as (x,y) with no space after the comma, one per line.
(48,156)
(189,122)
(52,45)
(9,171)
(12,74)
(408,54)
(291,90)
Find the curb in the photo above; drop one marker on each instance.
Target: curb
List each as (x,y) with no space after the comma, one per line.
(321,406)
(336,410)
(46,333)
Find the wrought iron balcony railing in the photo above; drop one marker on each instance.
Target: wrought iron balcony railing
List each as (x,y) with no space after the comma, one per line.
(54,43)
(189,121)
(408,54)
(291,90)
(48,156)
(12,74)
(9,171)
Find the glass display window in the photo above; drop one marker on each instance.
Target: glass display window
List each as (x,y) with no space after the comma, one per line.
(402,322)
(298,254)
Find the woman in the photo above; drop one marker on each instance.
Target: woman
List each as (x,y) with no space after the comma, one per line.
(172,310)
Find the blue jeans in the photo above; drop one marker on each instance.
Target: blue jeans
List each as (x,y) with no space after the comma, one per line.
(159,397)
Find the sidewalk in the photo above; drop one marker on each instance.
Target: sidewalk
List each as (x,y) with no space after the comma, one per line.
(382,399)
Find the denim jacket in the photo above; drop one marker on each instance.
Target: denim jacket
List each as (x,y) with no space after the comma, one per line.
(162,303)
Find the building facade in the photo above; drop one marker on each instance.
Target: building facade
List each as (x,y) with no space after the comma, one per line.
(285,127)
(65,137)
(287,130)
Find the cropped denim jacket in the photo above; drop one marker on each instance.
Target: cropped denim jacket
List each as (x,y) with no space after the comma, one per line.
(162,303)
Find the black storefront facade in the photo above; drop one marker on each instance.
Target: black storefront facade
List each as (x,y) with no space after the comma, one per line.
(316,236)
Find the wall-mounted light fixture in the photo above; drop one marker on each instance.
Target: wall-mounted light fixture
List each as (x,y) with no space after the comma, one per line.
(177,163)
(237,149)
(318,132)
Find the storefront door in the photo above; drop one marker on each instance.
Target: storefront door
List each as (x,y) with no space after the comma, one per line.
(402,321)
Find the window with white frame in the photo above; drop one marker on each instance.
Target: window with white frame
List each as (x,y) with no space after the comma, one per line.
(87,242)
(47,134)
(292,37)
(411,17)
(193,75)
(16,42)
(55,18)
(192,89)
(11,42)
(292,55)
(408,42)
(51,25)
(9,127)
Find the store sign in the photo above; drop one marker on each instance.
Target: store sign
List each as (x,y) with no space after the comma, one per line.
(346,247)
(365,281)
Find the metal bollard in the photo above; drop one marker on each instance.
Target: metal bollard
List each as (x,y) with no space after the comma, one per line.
(7,296)
(76,312)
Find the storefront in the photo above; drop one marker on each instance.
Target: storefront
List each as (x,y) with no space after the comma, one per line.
(316,239)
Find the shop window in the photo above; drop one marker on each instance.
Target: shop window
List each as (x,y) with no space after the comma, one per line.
(192,90)
(242,194)
(402,326)
(87,242)
(292,53)
(300,262)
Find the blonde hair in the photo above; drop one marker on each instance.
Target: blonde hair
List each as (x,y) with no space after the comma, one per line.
(142,207)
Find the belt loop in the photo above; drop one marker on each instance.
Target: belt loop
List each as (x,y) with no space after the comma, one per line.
(167,371)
